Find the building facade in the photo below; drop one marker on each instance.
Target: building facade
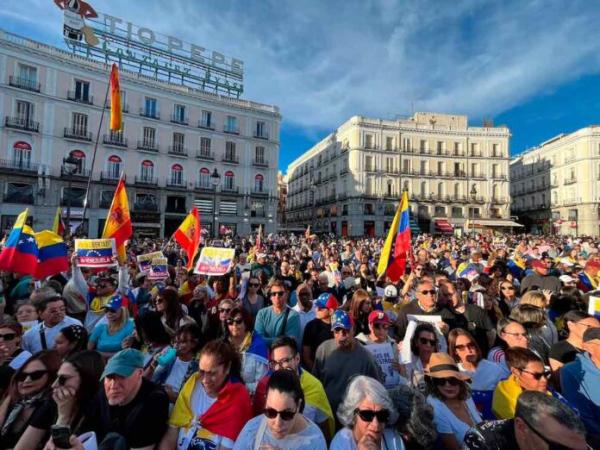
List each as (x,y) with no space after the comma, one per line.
(350,183)
(173,141)
(556,187)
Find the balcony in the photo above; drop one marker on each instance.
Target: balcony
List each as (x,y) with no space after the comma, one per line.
(146,181)
(499,200)
(264,135)
(230,189)
(115,140)
(230,159)
(109,177)
(260,163)
(124,107)
(79,134)
(147,145)
(204,187)
(79,98)
(19,166)
(206,125)
(231,130)
(20,123)
(149,114)
(260,192)
(176,184)
(499,177)
(178,150)
(205,155)
(572,180)
(179,119)
(145,207)
(82,173)
(24,83)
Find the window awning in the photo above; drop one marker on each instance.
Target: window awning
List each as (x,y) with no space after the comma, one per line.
(495,223)
(443,226)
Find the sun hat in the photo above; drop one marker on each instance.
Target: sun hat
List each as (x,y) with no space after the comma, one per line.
(441,365)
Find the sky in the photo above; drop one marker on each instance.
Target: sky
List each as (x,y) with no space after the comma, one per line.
(531,65)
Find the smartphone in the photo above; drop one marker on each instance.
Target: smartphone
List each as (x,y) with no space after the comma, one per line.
(60,436)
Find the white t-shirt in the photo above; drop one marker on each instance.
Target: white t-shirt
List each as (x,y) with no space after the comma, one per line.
(447,423)
(486,377)
(311,438)
(31,339)
(178,371)
(344,440)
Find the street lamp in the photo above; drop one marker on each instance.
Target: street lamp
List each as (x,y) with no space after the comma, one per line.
(215,178)
(70,165)
(473,198)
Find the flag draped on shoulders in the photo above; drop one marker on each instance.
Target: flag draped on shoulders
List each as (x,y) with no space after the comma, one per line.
(188,235)
(52,254)
(396,249)
(118,221)
(20,252)
(116,111)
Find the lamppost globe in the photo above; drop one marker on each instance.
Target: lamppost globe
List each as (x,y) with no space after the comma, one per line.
(215,177)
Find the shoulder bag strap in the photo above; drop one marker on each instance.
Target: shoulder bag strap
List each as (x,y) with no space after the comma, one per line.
(285,319)
(43,337)
(260,433)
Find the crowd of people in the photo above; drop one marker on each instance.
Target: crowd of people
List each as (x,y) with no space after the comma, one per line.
(486,342)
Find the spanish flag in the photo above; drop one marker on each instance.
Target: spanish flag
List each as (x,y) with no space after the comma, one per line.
(188,235)
(20,250)
(118,221)
(52,254)
(396,249)
(58,226)
(116,114)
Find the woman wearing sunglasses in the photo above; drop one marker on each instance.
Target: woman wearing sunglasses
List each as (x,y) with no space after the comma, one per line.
(282,424)
(28,391)
(12,356)
(77,384)
(253,300)
(107,336)
(507,296)
(172,314)
(367,415)
(454,411)
(423,343)
(251,347)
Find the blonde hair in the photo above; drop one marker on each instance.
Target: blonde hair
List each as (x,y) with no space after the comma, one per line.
(120,323)
(534,298)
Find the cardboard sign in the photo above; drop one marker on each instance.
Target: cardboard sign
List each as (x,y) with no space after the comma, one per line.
(97,253)
(414,319)
(158,269)
(384,355)
(144,261)
(215,261)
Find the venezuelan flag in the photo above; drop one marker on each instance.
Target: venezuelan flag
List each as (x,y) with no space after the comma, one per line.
(396,249)
(20,250)
(118,221)
(188,235)
(52,255)
(116,111)
(58,226)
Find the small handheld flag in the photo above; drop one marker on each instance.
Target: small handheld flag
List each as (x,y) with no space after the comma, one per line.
(188,236)
(118,221)
(52,254)
(396,249)
(20,250)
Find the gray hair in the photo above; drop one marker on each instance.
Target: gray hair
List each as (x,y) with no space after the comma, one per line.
(534,407)
(503,323)
(360,388)
(415,415)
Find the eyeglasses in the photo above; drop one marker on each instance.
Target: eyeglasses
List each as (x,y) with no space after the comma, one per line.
(443,381)
(538,375)
(286,415)
(277,294)
(61,380)
(8,337)
(33,376)
(235,321)
(225,310)
(430,292)
(551,444)
(469,346)
(367,415)
(517,335)
(426,341)
(281,363)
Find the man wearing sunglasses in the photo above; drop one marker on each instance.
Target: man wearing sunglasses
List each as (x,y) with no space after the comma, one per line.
(541,422)
(278,319)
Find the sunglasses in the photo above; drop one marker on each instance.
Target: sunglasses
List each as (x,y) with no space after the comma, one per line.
(443,381)
(235,321)
(430,292)
(426,341)
(33,376)
(469,346)
(8,337)
(225,310)
(538,375)
(286,415)
(367,415)
(277,294)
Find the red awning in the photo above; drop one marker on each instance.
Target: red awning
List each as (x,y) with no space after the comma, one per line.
(443,226)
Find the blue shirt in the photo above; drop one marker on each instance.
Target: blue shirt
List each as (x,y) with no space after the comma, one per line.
(269,325)
(579,381)
(110,343)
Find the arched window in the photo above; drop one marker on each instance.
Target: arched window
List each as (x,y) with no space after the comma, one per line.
(147,170)
(22,155)
(78,154)
(228,180)
(177,174)
(258,183)
(113,166)
(204,178)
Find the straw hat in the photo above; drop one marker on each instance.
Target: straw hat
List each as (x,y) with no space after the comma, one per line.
(441,365)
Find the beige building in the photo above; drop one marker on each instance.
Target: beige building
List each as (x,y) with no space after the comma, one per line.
(556,187)
(350,183)
(174,139)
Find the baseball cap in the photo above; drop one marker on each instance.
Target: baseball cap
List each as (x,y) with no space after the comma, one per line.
(566,262)
(390,291)
(341,319)
(114,303)
(326,300)
(538,264)
(124,363)
(567,279)
(379,317)
(591,333)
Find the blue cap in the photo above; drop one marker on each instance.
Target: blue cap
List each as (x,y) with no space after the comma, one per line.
(114,303)
(124,363)
(341,319)
(326,300)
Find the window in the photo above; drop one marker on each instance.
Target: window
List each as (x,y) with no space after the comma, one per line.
(261,129)
(179,114)
(113,167)
(206,120)
(149,137)
(19,193)
(440,147)
(258,183)
(177,175)
(390,188)
(369,209)
(389,143)
(259,154)
(423,167)
(369,166)
(82,91)
(406,144)
(440,168)
(80,156)
(178,142)
(474,149)
(496,150)
(28,74)
(405,166)
(423,188)
(423,146)
(204,178)
(457,149)
(369,141)
(456,190)
(440,190)
(24,112)
(147,170)
(205,146)
(228,180)
(231,125)
(146,202)
(230,151)
(257,209)
(175,204)
(73,197)
(389,165)
(457,212)
(80,123)
(22,155)
(150,107)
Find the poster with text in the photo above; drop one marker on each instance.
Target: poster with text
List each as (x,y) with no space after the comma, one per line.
(144,261)
(96,253)
(214,261)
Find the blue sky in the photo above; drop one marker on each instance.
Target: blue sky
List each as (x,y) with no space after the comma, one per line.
(532,65)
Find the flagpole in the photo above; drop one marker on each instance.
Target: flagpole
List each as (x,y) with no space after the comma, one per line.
(89,181)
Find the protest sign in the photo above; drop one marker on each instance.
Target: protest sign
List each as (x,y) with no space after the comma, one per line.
(145,260)
(97,253)
(594,307)
(158,269)
(215,261)
(384,355)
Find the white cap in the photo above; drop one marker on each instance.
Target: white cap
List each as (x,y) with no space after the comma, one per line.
(567,279)
(390,291)
(566,262)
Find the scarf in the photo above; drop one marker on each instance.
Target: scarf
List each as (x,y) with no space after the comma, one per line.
(19,407)
(314,395)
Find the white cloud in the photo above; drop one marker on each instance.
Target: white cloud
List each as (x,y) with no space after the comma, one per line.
(322,62)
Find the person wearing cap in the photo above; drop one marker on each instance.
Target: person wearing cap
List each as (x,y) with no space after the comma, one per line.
(588,279)
(129,404)
(339,359)
(540,278)
(390,302)
(454,411)
(108,336)
(580,383)
(261,265)
(567,281)
(12,356)
(318,330)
